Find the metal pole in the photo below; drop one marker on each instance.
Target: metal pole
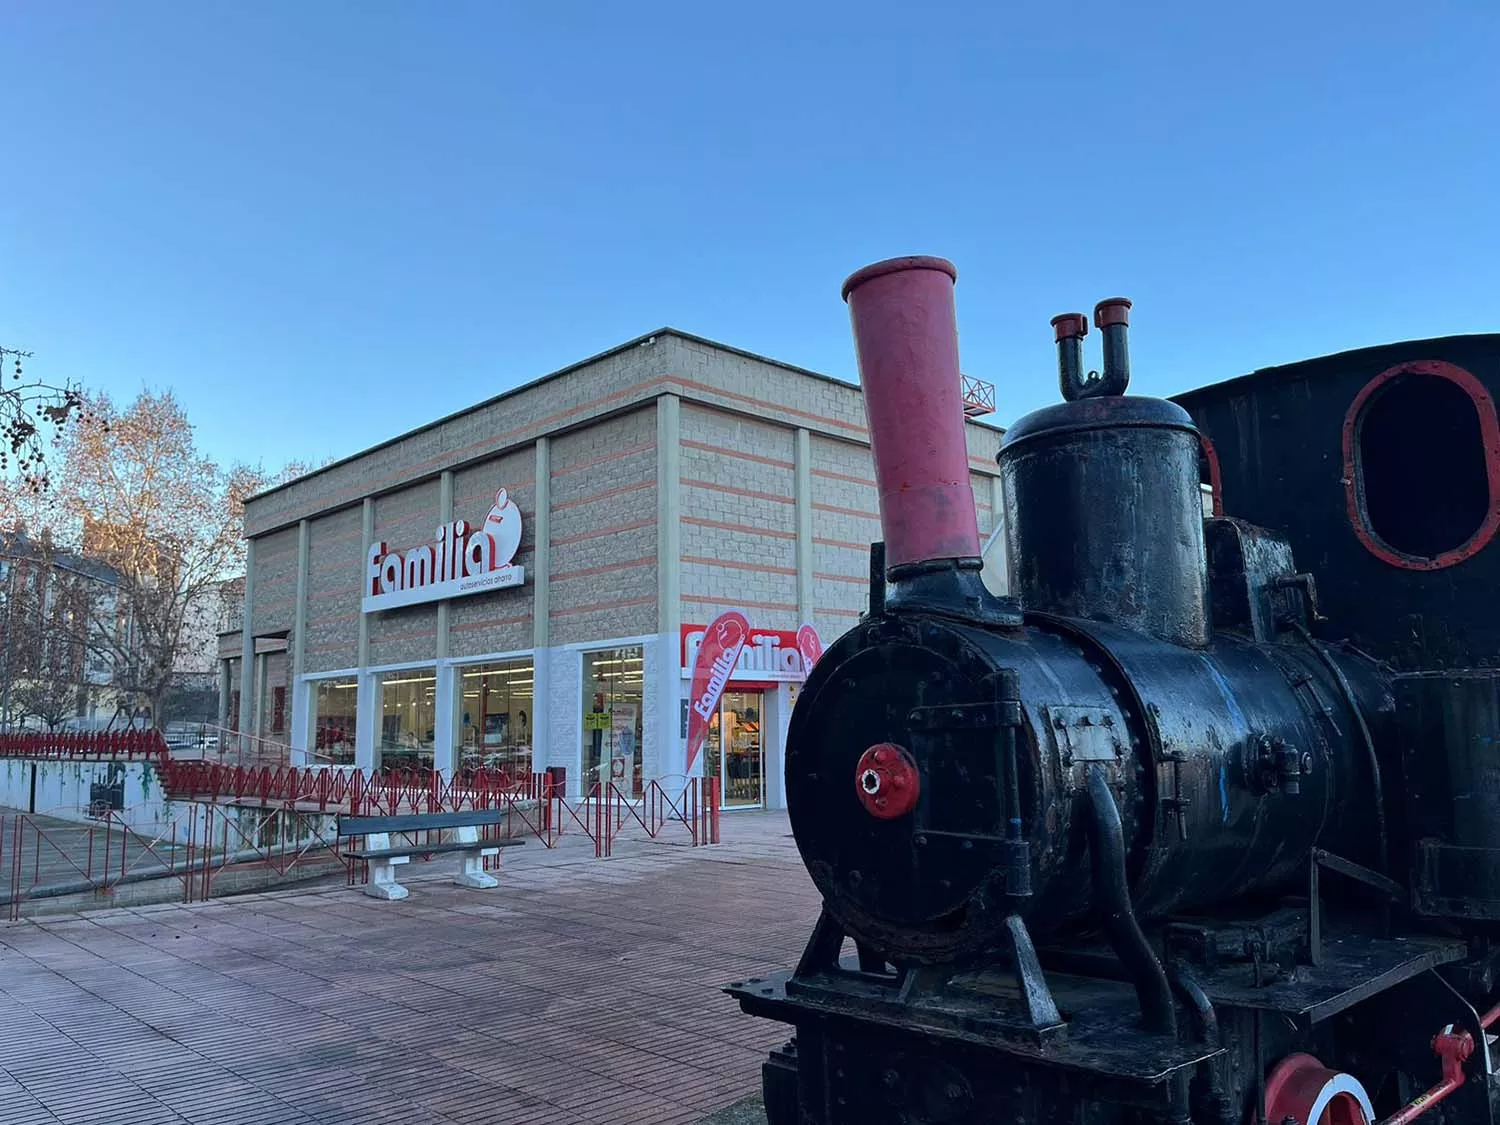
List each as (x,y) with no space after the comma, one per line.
(10,594)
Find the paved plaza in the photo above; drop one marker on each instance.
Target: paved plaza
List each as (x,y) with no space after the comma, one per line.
(579,990)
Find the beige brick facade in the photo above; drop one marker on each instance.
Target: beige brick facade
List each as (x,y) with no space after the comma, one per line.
(498,622)
(770,508)
(603,543)
(334,574)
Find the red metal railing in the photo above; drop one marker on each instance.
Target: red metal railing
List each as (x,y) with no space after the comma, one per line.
(130,745)
(50,859)
(534,804)
(695,806)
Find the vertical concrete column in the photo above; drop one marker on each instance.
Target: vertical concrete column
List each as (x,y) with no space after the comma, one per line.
(445,724)
(260,694)
(367,536)
(297,736)
(445,712)
(541,612)
(226,685)
(803,462)
(367,705)
(998,556)
(666,738)
(247,647)
(445,516)
(368,711)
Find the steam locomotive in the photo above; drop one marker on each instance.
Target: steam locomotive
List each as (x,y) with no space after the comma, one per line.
(1200,823)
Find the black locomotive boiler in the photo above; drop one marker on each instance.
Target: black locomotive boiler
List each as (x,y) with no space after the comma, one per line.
(1201,822)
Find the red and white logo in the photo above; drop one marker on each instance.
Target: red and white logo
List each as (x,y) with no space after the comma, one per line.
(716,658)
(769,654)
(459,561)
(810,645)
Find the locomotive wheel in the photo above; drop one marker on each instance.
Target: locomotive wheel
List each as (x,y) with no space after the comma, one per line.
(1302,1089)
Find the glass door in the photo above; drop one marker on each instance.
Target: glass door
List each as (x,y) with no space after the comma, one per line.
(741,749)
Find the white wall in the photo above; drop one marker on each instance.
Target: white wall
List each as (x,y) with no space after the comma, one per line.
(63,790)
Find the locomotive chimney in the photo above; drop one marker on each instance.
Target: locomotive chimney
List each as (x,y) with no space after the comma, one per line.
(1112,317)
(1070,329)
(906,340)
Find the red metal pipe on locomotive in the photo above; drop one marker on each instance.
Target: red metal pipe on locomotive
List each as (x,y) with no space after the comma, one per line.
(1141,841)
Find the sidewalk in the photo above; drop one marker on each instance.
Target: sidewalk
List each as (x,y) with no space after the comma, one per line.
(579,990)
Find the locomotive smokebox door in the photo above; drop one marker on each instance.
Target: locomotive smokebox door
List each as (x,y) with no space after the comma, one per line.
(897,800)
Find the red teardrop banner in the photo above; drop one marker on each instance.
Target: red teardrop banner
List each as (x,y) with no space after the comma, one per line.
(810,645)
(717,656)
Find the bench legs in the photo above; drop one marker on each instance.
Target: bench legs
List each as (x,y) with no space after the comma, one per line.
(382,882)
(471,872)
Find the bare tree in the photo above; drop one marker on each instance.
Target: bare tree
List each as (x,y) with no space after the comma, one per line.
(50,700)
(144,500)
(33,415)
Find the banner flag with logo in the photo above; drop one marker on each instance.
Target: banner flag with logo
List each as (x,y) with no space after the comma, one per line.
(810,645)
(717,657)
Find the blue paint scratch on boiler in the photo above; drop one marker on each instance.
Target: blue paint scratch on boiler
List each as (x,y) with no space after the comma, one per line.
(1239,718)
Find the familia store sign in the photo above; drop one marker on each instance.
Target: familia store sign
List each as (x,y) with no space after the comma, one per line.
(766,654)
(715,653)
(458,562)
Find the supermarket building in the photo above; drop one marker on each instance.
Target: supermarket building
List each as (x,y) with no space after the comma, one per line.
(523,585)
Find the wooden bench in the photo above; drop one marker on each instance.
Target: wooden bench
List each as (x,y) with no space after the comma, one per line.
(383,858)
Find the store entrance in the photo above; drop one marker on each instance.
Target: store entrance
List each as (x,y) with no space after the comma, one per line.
(737,749)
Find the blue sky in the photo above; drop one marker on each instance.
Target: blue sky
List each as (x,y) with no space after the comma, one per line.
(325,223)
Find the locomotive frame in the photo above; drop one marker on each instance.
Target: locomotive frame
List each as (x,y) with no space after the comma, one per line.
(1176,832)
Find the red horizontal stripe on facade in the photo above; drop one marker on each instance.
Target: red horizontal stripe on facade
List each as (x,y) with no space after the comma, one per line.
(760,405)
(761,568)
(601,606)
(392,638)
(493,443)
(618,454)
(828,474)
(541,426)
(597,532)
(746,528)
(759,458)
(846,511)
(838,612)
(731,490)
(621,491)
(862,547)
(565,575)
(485,498)
(736,603)
(489,623)
(858,580)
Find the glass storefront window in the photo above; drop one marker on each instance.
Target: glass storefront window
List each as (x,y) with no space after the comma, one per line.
(335,714)
(408,720)
(495,717)
(735,750)
(613,693)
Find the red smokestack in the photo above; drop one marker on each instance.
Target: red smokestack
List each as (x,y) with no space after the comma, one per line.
(906,338)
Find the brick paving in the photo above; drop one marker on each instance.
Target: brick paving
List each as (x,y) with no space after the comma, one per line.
(579,990)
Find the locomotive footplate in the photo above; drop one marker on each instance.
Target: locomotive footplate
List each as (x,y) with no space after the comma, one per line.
(858,1029)
(1352,967)
(1103,1039)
